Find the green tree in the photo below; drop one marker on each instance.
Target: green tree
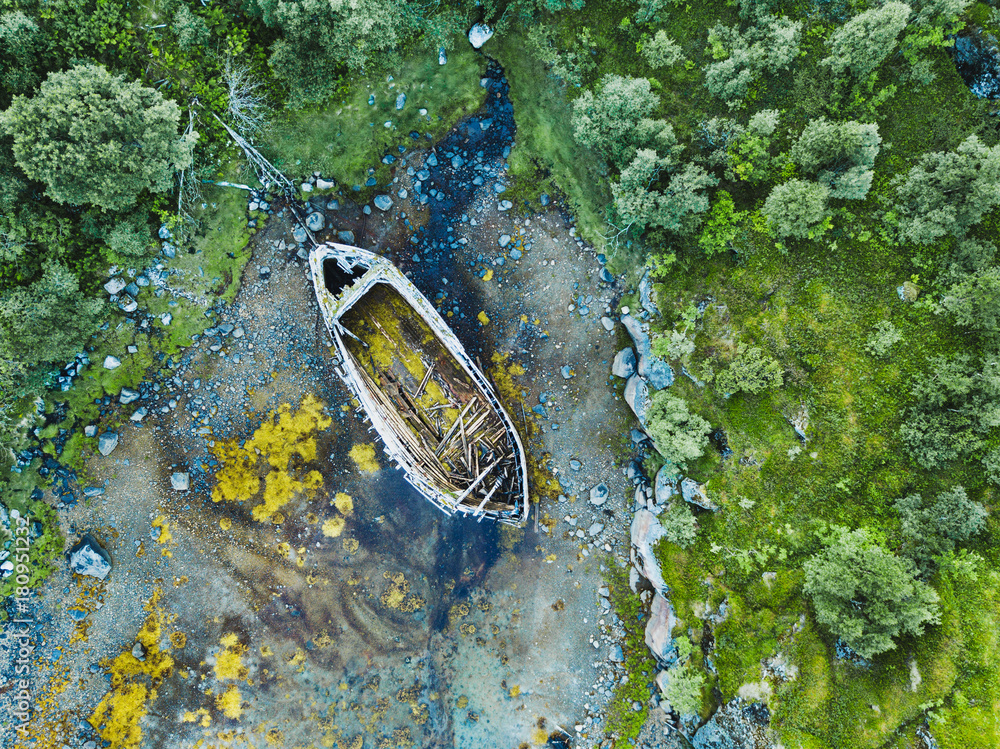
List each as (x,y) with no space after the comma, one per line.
(948,192)
(607,122)
(47,321)
(866,595)
(322,39)
(840,154)
(956,404)
(975,301)
(750,372)
(661,51)
(796,207)
(722,227)
(92,137)
(676,208)
(678,434)
(21,44)
(934,528)
(769,45)
(861,44)
(191,30)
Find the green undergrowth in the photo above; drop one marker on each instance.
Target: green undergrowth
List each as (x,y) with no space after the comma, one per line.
(545,157)
(344,139)
(623,721)
(45,540)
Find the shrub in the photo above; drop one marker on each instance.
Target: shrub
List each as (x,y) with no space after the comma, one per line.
(866,595)
(678,434)
(750,372)
(679,525)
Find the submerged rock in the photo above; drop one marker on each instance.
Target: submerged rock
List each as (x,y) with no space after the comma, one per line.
(89,558)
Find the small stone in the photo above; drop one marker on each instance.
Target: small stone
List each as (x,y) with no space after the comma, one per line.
(608,323)
(315,221)
(140,414)
(90,430)
(107,442)
(346,237)
(442,59)
(505,205)
(112,362)
(180,482)
(139,652)
(595,528)
(616,655)
(515,254)
(166,318)
(333,205)
(127,396)
(322,184)
(299,234)
(575,464)
(567,372)
(544,199)
(400,101)
(504,240)
(265,272)
(127,304)
(599,494)
(382,202)
(306,187)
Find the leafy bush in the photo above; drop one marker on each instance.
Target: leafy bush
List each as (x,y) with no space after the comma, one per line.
(678,434)
(865,595)
(770,44)
(750,372)
(679,525)
(796,208)
(861,44)
(934,529)
(661,51)
(92,137)
(683,689)
(840,154)
(883,338)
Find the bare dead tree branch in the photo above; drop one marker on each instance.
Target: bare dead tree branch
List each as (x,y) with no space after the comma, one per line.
(248,109)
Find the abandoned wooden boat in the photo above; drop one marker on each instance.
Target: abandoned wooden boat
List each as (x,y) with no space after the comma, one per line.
(439,417)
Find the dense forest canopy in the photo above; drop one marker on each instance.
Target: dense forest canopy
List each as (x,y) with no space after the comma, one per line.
(813,188)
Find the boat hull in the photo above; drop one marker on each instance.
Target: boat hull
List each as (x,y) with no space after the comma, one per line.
(450,434)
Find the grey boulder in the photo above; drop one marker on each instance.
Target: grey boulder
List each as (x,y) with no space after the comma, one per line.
(599,494)
(661,623)
(624,364)
(637,397)
(479,35)
(645,531)
(89,558)
(665,486)
(382,202)
(696,494)
(127,396)
(107,442)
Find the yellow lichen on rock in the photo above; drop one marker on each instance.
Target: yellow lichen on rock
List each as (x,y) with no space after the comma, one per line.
(483,318)
(229,660)
(225,523)
(363,456)
(350,545)
(133,682)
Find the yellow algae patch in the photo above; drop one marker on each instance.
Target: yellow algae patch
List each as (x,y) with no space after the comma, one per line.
(364,457)
(133,683)
(350,545)
(483,318)
(225,523)
(229,660)
(333,527)
(178,639)
(275,453)
(344,503)
(229,702)
(488,276)
(397,596)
